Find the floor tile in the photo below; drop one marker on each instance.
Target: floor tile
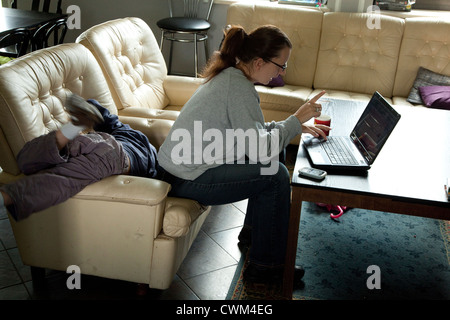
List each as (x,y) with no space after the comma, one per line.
(8,273)
(204,256)
(23,270)
(228,240)
(6,234)
(222,218)
(213,285)
(17,292)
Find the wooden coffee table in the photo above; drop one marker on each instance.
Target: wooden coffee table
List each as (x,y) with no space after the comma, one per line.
(407,177)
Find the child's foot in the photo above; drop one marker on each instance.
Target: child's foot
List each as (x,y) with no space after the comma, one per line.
(82,112)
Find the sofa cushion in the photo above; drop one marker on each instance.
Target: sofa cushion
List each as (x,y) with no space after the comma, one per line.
(436,96)
(426,77)
(355,58)
(301,25)
(426,43)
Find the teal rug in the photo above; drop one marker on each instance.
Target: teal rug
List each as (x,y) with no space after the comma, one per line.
(364,255)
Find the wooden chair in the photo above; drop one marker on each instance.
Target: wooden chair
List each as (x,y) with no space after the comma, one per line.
(35,5)
(50,34)
(15,43)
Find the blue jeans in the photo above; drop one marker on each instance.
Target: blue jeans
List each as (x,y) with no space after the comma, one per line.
(140,151)
(268,203)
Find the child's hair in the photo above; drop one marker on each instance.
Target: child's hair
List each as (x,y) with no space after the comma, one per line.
(265,42)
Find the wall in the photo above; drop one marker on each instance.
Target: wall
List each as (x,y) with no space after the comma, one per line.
(98,11)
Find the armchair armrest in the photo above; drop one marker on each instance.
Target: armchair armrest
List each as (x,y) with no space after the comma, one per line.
(131,190)
(127,189)
(179,89)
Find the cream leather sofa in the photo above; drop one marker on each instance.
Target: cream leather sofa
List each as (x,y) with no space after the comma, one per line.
(338,52)
(122,227)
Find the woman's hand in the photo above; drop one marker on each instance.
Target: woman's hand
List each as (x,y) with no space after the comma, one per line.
(316,130)
(310,109)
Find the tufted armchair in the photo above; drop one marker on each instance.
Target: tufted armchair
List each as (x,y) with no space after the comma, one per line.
(135,70)
(122,227)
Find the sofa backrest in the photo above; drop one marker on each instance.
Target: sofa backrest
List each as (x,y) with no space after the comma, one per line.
(426,43)
(356,58)
(131,61)
(301,25)
(33,90)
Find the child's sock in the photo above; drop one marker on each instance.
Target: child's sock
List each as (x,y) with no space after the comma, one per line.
(71,131)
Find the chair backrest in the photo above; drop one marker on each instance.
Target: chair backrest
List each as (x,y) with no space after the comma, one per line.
(131,61)
(192,8)
(33,90)
(42,37)
(19,39)
(35,5)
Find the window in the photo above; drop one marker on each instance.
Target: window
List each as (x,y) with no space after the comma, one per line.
(432,4)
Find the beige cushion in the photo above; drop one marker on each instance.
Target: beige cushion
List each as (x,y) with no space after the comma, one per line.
(426,43)
(301,25)
(179,90)
(354,58)
(179,216)
(131,60)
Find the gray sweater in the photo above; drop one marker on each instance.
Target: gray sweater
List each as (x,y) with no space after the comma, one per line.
(223,123)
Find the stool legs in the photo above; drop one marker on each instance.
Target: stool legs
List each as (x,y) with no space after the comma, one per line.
(195,41)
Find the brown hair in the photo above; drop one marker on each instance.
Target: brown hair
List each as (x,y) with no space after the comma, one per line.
(264,42)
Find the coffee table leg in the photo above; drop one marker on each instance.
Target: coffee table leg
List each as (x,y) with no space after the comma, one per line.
(291,251)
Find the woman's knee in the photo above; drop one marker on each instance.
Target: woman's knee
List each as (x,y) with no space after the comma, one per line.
(282,174)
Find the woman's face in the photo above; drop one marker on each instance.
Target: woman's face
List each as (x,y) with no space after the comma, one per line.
(264,71)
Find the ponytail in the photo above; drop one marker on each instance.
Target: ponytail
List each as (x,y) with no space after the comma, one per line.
(264,42)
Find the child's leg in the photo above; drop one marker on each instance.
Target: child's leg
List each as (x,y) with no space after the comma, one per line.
(91,158)
(40,153)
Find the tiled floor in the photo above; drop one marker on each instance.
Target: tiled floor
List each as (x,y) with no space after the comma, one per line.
(205,274)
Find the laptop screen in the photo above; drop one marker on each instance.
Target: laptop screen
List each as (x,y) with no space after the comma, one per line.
(374,127)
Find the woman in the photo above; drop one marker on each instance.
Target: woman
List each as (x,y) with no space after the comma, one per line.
(201,166)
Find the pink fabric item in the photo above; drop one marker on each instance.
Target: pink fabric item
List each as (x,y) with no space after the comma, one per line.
(275,82)
(436,96)
(339,210)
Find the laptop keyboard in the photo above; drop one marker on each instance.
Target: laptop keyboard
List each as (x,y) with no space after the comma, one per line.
(338,152)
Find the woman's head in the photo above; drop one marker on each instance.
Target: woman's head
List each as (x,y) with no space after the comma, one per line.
(261,54)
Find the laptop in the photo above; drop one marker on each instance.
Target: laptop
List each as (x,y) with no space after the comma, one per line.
(359,150)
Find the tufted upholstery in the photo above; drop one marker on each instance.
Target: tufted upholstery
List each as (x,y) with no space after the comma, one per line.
(425,43)
(303,27)
(135,69)
(115,228)
(355,58)
(31,106)
(338,52)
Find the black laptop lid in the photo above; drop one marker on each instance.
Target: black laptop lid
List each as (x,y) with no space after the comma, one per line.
(374,127)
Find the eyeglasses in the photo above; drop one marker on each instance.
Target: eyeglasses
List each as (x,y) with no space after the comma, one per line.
(283,67)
